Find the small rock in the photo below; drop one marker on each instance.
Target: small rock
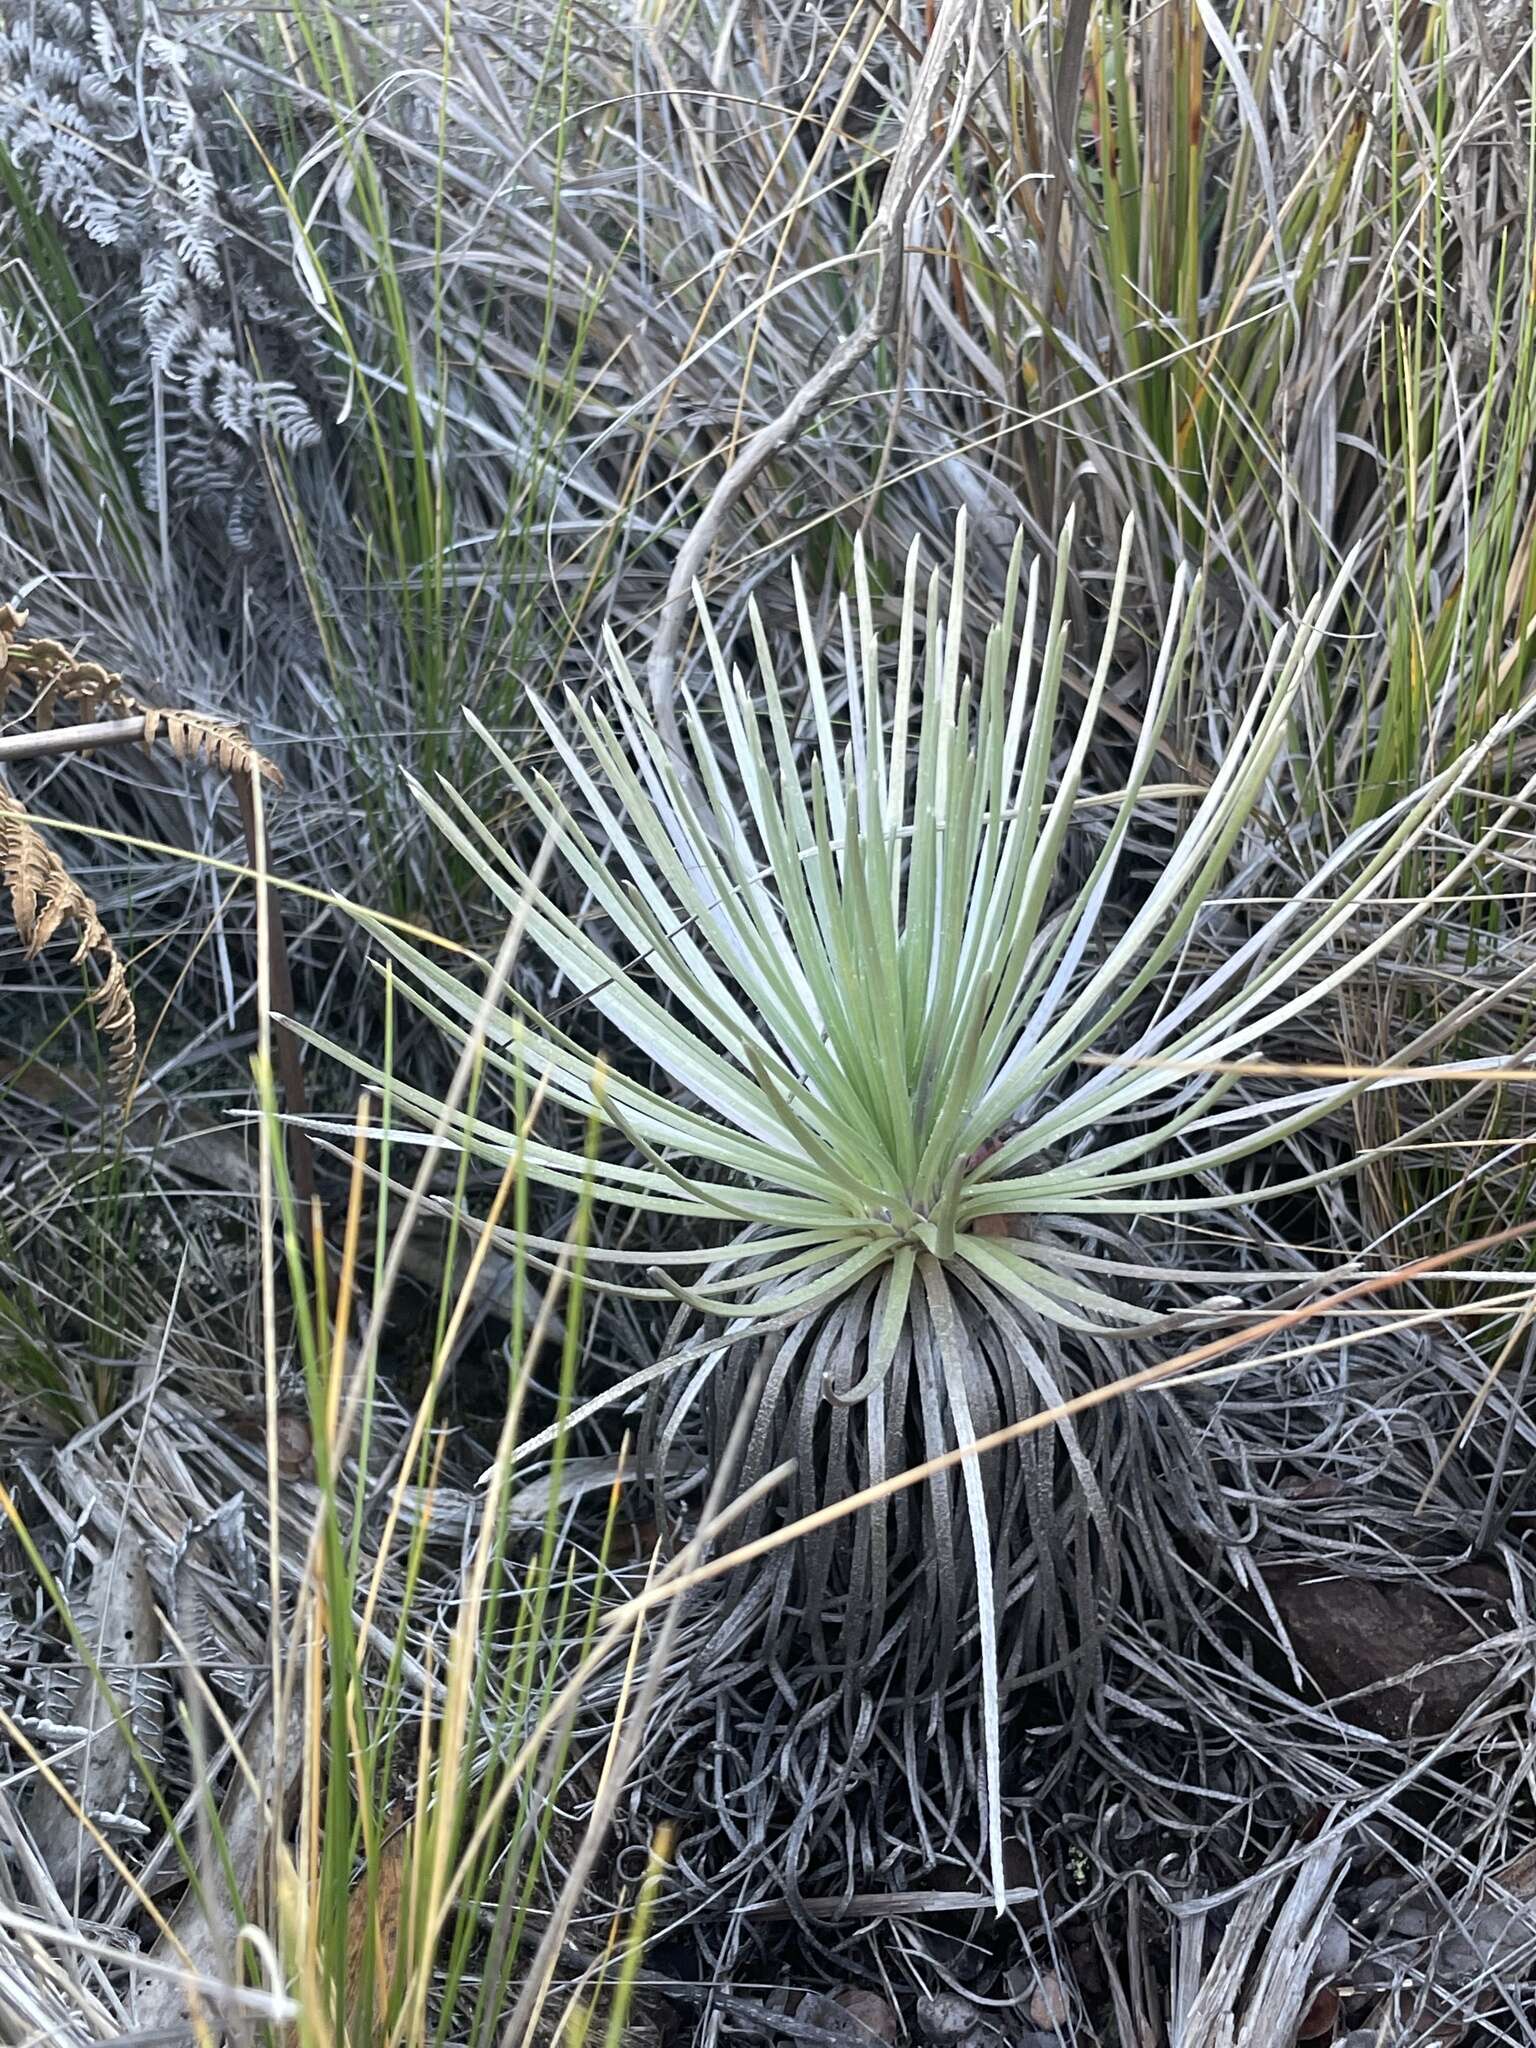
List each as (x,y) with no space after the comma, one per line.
(1458,1959)
(1359,1639)
(1408,1921)
(867,2016)
(1049,2005)
(944,2018)
(1376,1900)
(1379,1969)
(1499,1927)
(1331,1956)
(294,1445)
(1319,2017)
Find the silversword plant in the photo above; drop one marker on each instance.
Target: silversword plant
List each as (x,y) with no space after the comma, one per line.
(913,1083)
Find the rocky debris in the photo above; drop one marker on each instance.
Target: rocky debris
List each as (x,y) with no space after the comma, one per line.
(1398,1656)
(944,2018)
(1050,2003)
(852,2013)
(1437,1964)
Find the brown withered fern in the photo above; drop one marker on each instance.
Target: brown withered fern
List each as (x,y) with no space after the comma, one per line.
(58,677)
(44,895)
(192,736)
(55,676)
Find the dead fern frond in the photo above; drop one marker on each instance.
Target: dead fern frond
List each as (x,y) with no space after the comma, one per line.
(44,895)
(193,737)
(57,676)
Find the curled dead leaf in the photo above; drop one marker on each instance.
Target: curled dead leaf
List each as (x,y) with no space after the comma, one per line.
(374,1916)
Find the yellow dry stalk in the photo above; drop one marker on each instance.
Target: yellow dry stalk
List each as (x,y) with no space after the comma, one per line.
(44,895)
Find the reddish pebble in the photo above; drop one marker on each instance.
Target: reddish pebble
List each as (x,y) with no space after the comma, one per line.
(869,2012)
(1049,2006)
(1318,2019)
(294,1446)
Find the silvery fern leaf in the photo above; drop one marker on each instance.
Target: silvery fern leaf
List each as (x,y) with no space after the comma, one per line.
(106,121)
